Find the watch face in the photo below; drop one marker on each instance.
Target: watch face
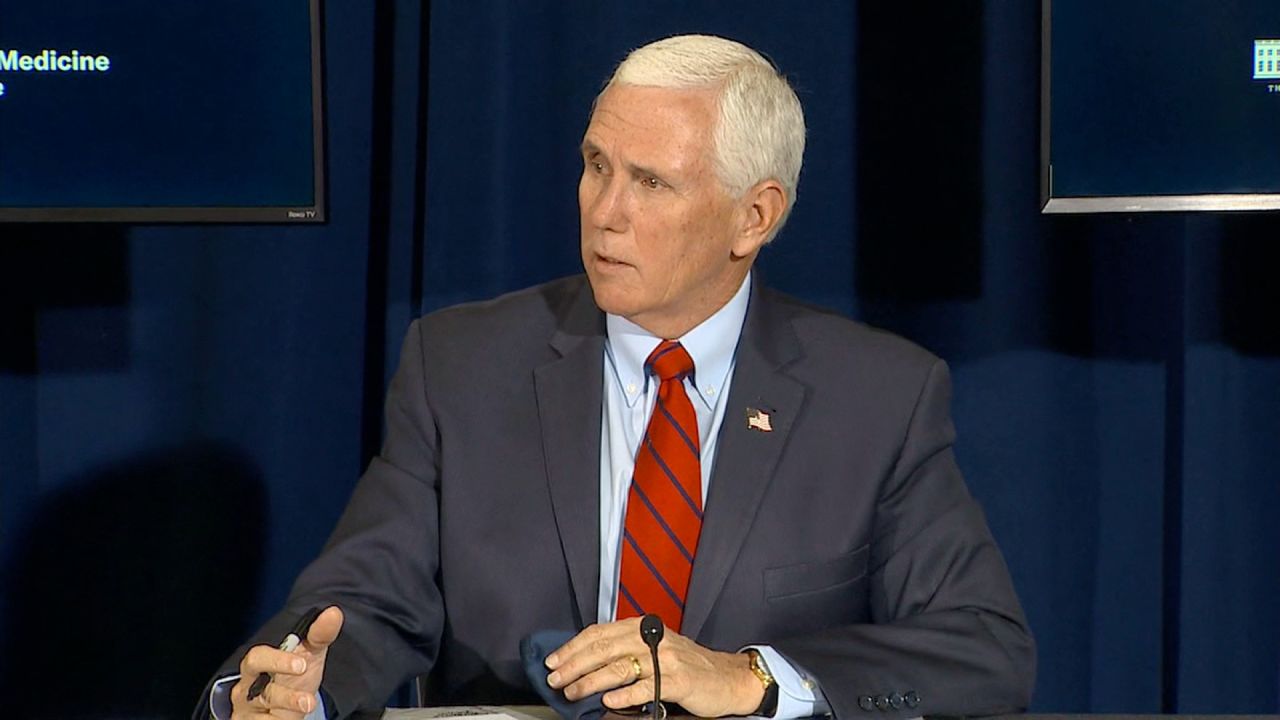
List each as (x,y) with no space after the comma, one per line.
(769,703)
(759,668)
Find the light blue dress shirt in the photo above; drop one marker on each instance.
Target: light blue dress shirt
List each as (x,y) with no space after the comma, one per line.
(629,399)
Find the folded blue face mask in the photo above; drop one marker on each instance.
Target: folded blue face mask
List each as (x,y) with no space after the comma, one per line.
(534,649)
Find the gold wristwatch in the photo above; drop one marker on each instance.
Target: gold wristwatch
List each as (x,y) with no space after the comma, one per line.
(769,704)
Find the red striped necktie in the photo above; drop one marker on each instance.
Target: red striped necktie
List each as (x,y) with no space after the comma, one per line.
(664,506)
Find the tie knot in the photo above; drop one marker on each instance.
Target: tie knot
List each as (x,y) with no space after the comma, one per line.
(669,360)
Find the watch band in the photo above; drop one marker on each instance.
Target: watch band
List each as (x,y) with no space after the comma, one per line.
(769,703)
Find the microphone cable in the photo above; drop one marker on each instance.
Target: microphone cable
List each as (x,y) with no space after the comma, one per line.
(651,630)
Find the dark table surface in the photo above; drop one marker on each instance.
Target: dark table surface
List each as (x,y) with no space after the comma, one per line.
(527,712)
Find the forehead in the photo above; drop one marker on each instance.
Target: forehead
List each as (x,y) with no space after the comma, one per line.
(659,123)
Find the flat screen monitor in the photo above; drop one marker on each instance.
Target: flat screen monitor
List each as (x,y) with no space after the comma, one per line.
(156,111)
(1153,105)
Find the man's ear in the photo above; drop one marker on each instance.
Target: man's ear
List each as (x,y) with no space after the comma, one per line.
(760,210)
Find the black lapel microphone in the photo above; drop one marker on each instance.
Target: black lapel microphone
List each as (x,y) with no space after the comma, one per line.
(651,630)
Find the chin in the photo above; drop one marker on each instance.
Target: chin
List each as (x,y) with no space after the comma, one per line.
(613,300)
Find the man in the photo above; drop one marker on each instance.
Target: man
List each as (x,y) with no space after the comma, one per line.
(664,436)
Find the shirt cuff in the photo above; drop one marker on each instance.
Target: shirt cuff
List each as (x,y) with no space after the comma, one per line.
(220,700)
(798,692)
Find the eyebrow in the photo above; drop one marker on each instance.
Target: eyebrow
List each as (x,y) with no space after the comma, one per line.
(647,172)
(589,148)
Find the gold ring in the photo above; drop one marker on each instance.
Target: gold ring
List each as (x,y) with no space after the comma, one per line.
(635,665)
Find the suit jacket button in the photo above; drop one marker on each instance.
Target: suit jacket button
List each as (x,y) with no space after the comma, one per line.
(896,700)
(912,699)
(865,702)
(882,702)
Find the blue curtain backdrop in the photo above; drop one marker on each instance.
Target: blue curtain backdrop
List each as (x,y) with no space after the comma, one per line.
(184,410)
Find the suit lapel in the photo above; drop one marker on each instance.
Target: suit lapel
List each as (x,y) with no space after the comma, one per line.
(569,400)
(746,458)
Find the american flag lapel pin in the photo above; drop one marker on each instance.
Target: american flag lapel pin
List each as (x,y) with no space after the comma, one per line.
(758,419)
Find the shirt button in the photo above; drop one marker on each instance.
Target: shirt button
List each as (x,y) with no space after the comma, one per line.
(711,391)
(631,389)
(807,683)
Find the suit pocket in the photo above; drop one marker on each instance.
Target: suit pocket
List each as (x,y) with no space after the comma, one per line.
(795,581)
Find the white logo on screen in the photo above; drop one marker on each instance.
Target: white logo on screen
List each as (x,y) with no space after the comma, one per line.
(1266,59)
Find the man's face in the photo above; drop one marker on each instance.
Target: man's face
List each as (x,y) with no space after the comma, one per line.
(658,229)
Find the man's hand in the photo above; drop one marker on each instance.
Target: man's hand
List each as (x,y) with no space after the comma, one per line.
(705,682)
(295,676)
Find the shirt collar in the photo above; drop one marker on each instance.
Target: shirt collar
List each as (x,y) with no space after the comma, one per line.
(711,345)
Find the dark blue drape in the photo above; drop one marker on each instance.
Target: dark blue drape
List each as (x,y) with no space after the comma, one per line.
(183,410)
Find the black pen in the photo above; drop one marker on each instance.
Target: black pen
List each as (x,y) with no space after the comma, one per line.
(289,644)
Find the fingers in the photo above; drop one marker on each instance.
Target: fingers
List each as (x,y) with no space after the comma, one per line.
(637,693)
(593,639)
(614,674)
(325,629)
(598,658)
(262,713)
(278,697)
(275,701)
(264,658)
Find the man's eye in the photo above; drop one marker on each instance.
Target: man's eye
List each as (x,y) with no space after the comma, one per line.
(597,166)
(651,183)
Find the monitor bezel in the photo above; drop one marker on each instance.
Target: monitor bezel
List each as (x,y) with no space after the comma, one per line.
(1066,204)
(219,214)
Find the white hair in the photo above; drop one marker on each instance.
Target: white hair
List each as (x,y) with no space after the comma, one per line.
(759,133)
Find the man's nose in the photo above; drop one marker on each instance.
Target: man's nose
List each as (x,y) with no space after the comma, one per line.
(608,208)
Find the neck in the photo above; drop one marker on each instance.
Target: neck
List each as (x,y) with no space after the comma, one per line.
(671,327)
